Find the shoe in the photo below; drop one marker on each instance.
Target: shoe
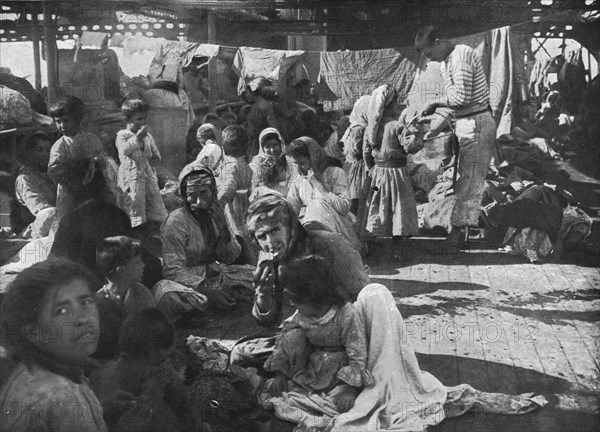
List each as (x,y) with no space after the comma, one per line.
(456,240)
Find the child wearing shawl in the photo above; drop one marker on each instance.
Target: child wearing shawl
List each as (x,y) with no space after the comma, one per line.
(271,170)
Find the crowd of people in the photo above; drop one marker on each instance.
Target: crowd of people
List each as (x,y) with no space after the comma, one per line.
(258,212)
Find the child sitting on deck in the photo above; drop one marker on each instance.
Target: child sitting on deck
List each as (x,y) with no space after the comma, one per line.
(119,260)
(141,389)
(139,155)
(323,348)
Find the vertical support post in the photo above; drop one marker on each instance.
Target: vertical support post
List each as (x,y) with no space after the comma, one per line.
(51,54)
(35,37)
(212,63)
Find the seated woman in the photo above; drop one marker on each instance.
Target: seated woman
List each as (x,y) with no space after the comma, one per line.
(402,397)
(33,187)
(273,224)
(320,196)
(47,390)
(271,171)
(198,246)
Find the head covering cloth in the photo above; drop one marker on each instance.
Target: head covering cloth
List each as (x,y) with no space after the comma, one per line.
(271,209)
(210,156)
(319,160)
(205,127)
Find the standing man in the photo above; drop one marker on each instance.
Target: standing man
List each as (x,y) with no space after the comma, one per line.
(468,94)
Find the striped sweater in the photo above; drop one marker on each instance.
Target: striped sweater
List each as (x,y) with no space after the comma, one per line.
(466,85)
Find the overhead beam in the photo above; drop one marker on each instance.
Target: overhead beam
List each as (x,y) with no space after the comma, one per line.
(51,54)
(35,38)
(212,62)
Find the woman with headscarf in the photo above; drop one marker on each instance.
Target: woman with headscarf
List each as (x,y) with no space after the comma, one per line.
(271,169)
(273,223)
(198,246)
(320,195)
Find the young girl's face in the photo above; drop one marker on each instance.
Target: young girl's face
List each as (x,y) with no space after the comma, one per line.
(67,124)
(136,121)
(303,163)
(68,323)
(272,147)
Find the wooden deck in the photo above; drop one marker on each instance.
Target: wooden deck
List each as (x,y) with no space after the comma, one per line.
(493,321)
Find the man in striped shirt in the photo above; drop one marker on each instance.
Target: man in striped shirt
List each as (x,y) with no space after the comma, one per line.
(468,94)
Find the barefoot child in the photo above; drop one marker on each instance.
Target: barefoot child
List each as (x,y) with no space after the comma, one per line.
(137,176)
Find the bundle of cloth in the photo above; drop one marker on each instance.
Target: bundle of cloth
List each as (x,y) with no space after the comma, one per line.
(538,219)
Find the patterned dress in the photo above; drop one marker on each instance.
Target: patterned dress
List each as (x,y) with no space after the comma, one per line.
(336,351)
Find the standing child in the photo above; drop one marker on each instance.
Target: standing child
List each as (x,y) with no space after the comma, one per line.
(119,261)
(391,209)
(323,350)
(233,186)
(73,148)
(137,176)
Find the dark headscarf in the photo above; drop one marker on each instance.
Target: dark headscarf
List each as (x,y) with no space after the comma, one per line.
(199,174)
(271,209)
